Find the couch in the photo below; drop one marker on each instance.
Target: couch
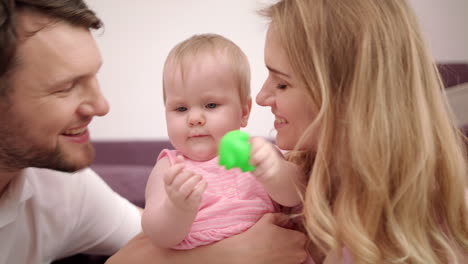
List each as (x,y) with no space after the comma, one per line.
(125,165)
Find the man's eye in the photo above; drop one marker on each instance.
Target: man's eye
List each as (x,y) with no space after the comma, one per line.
(211,105)
(181,109)
(70,86)
(65,89)
(282,86)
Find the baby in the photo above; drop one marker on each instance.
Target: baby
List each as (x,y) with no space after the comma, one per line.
(190,199)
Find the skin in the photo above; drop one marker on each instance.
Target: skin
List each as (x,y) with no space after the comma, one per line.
(45,119)
(286,95)
(202,105)
(279,177)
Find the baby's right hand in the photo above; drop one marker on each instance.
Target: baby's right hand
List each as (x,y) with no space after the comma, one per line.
(266,158)
(184,188)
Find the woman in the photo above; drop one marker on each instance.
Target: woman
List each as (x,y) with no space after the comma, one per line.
(358,97)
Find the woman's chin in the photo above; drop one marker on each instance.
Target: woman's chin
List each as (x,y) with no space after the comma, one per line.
(284,143)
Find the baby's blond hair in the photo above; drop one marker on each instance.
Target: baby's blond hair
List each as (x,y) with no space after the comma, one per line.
(212,44)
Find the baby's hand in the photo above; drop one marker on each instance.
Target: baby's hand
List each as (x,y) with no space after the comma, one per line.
(266,158)
(184,188)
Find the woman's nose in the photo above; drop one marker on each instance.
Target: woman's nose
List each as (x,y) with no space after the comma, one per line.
(265,97)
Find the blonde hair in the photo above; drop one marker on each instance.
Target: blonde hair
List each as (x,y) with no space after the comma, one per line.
(387,180)
(212,44)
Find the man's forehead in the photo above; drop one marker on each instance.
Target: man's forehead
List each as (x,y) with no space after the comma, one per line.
(45,50)
(31,22)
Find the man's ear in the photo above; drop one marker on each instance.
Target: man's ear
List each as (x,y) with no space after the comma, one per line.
(246,107)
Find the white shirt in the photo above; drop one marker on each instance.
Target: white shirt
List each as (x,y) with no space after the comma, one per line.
(46,215)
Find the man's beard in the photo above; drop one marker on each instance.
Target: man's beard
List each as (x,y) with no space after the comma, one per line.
(16,153)
(14,157)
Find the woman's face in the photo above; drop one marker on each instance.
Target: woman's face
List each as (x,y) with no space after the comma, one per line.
(287,96)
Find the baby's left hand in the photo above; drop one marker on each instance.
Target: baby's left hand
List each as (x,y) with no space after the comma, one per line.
(266,158)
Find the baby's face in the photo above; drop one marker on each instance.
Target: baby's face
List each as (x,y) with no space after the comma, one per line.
(202,106)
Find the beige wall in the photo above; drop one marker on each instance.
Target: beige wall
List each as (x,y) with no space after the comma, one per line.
(445,24)
(139,34)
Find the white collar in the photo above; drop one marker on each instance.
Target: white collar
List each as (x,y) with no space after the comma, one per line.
(18,191)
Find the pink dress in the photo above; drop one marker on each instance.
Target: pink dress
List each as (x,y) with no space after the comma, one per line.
(233,201)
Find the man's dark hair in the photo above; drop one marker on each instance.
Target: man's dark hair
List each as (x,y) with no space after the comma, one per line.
(75,12)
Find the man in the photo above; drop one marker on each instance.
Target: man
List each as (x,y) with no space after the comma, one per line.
(48,95)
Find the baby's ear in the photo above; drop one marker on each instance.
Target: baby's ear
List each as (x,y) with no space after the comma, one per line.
(246,107)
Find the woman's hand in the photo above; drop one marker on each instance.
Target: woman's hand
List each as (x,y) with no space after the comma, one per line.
(267,242)
(264,243)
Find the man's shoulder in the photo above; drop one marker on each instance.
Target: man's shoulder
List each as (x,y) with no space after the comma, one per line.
(51,184)
(40,175)
(42,171)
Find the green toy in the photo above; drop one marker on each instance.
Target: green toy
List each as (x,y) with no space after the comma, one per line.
(234,151)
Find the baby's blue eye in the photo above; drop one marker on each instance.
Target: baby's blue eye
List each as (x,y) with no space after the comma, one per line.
(181,109)
(211,105)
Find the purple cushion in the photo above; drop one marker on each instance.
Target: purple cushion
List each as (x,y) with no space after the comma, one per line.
(129,152)
(127,180)
(453,73)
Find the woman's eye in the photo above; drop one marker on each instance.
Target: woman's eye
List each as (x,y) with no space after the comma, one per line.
(282,86)
(181,109)
(211,105)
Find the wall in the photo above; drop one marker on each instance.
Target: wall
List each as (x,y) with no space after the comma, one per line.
(445,24)
(139,34)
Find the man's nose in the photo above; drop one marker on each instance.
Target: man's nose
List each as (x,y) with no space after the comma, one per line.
(94,103)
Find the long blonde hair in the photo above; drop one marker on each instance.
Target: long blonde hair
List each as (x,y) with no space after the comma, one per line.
(387,180)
